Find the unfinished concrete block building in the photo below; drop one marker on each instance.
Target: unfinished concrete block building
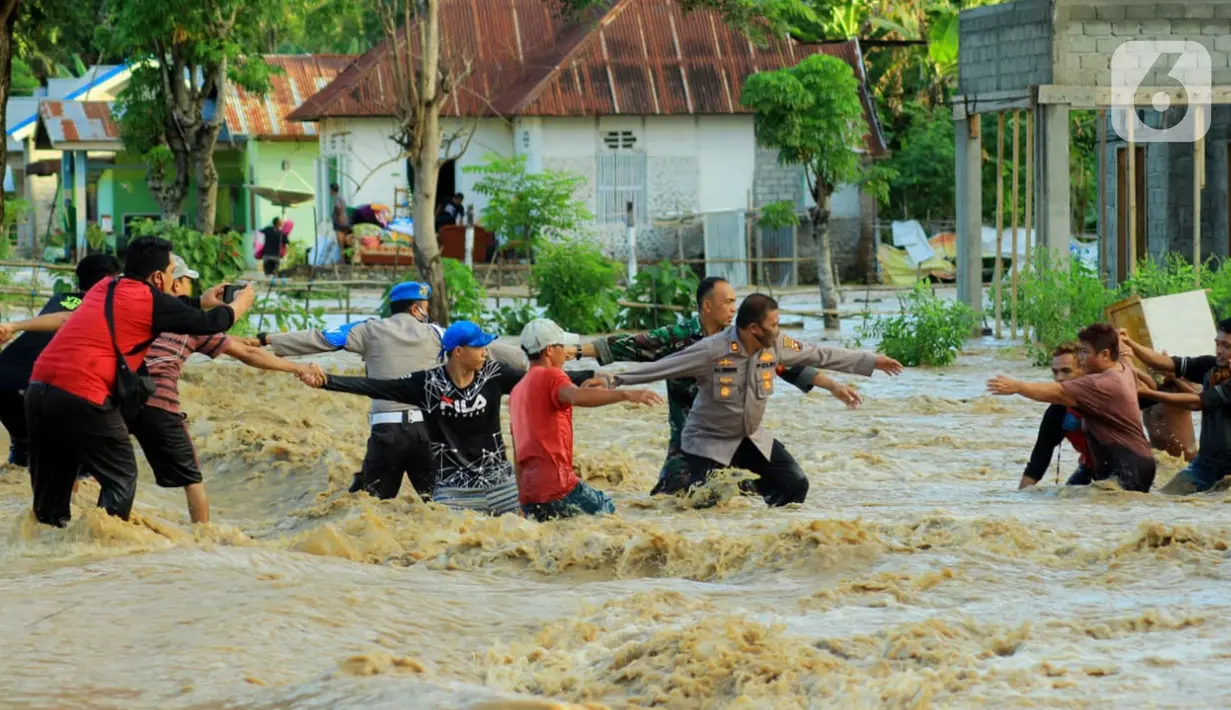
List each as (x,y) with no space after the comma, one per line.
(1051,57)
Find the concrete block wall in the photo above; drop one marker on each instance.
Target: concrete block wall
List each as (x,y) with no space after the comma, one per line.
(773,182)
(1169,194)
(1005,47)
(1088,33)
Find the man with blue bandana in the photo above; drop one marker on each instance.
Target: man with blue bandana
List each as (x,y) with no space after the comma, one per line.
(460,401)
(392,347)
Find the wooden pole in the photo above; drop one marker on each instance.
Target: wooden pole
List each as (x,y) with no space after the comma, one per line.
(1132,194)
(1029,185)
(1102,194)
(1198,182)
(998,273)
(1017,121)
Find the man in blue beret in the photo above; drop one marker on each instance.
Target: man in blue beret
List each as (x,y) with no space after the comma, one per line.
(392,347)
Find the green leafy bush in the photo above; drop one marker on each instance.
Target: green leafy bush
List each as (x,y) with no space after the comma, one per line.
(1153,278)
(218,257)
(576,286)
(929,331)
(510,320)
(289,314)
(1057,299)
(663,285)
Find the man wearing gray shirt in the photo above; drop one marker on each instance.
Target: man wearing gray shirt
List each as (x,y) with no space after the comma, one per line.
(735,372)
(391,348)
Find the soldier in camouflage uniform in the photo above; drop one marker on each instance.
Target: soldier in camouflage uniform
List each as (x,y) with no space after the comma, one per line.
(715,311)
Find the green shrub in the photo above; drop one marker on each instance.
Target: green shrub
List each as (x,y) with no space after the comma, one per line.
(467,299)
(510,320)
(218,257)
(929,331)
(1055,300)
(1152,278)
(576,286)
(664,285)
(288,315)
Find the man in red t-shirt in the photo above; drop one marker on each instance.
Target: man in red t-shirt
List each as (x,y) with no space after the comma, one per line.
(70,405)
(541,410)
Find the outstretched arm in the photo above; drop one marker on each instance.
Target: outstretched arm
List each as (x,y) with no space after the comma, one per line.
(45,323)
(1047,392)
(1150,358)
(693,361)
(1182,400)
(261,359)
(843,393)
(856,362)
(1051,433)
(598,397)
(636,347)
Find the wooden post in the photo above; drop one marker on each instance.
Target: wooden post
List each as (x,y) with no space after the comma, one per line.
(998,272)
(1029,186)
(1198,183)
(1017,120)
(1102,194)
(1132,193)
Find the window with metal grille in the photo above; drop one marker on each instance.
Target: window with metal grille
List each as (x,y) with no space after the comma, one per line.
(619,140)
(621,178)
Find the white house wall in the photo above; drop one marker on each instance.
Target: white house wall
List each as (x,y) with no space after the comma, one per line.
(375,166)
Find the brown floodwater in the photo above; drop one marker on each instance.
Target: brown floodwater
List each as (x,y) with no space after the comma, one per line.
(915,575)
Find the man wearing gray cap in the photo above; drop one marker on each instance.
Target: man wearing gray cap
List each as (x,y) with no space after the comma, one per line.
(541,413)
(392,347)
(735,371)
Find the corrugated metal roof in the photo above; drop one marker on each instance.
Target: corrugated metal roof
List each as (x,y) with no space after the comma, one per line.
(641,57)
(78,122)
(265,116)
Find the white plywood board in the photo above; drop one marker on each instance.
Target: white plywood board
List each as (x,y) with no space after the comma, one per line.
(1180,324)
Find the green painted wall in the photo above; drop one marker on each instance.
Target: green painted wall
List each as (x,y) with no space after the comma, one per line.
(122,191)
(265,160)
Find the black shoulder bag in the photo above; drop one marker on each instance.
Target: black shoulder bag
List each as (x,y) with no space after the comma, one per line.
(131,389)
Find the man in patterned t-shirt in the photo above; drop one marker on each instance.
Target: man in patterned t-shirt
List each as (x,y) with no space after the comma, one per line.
(460,401)
(160,427)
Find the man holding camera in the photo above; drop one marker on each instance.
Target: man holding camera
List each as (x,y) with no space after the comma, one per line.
(72,402)
(160,427)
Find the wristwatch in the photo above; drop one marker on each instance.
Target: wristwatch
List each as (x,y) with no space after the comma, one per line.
(260,338)
(578,355)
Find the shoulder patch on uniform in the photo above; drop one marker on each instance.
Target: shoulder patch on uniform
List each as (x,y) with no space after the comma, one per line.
(734,347)
(726,362)
(767,356)
(337,336)
(792,343)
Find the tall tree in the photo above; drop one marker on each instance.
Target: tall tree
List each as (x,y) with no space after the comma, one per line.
(811,115)
(185,55)
(8,20)
(425,74)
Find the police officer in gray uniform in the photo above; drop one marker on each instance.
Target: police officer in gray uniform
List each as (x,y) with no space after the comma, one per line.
(735,371)
(392,347)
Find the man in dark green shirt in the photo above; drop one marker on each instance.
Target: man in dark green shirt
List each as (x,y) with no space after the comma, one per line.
(715,312)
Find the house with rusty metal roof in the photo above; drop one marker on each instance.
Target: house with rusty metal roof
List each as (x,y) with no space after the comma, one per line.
(81,154)
(642,99)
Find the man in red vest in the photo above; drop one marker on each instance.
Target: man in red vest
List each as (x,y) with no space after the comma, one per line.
(70,405)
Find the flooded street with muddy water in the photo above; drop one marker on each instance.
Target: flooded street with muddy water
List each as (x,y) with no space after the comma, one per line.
(914,576)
